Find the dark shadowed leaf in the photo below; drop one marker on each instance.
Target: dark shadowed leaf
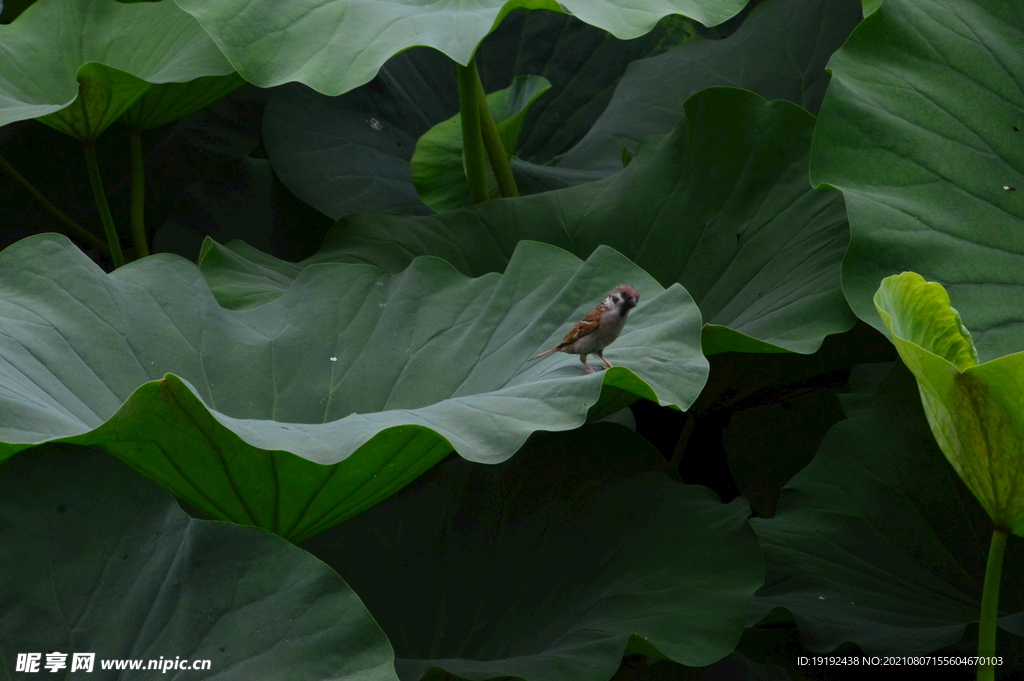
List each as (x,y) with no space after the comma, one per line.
(552,565)
(779,52)
(350,154)
(878,542)
(98,560)
(330,152)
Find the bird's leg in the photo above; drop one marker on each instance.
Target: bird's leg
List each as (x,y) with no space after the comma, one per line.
(606,362)
(583,358)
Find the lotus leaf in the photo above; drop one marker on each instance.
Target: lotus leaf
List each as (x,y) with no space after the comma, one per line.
(303,411)
(98,560)
(107,53)
(921,130)
(531,569)
(163,104)
(975,411)
(779,52)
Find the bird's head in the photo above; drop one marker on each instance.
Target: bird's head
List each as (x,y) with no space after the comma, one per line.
(625,297)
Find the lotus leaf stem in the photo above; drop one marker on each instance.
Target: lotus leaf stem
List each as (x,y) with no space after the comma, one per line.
(684,440)
(101,203)
(990,604)
(496,151)
(472,141)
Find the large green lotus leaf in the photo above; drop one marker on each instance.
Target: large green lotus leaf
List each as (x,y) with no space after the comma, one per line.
(350,154)
(112,48)
(921,129)
(306,410)
(976,411)
(334,46)
(552,565)
(877,541)
(721,205)
(98,560)
(437,163)
(779,52)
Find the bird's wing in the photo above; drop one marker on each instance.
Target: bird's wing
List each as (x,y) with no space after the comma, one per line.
(584,327)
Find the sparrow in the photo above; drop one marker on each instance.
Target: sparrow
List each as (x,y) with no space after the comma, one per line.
(598,329)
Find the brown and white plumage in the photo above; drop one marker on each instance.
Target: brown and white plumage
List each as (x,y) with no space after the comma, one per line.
(597,330)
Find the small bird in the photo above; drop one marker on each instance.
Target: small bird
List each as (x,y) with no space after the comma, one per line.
(598,329)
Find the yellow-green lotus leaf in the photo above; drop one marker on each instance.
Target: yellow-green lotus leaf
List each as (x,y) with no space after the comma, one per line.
(976,411)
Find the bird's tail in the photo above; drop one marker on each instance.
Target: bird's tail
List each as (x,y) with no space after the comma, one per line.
(546,352)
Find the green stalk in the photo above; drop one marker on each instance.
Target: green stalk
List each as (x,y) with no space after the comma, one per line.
(138,195)
(684,439)
(472,142)
(101,203)
(990,604)
(69,225)
(492,142)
